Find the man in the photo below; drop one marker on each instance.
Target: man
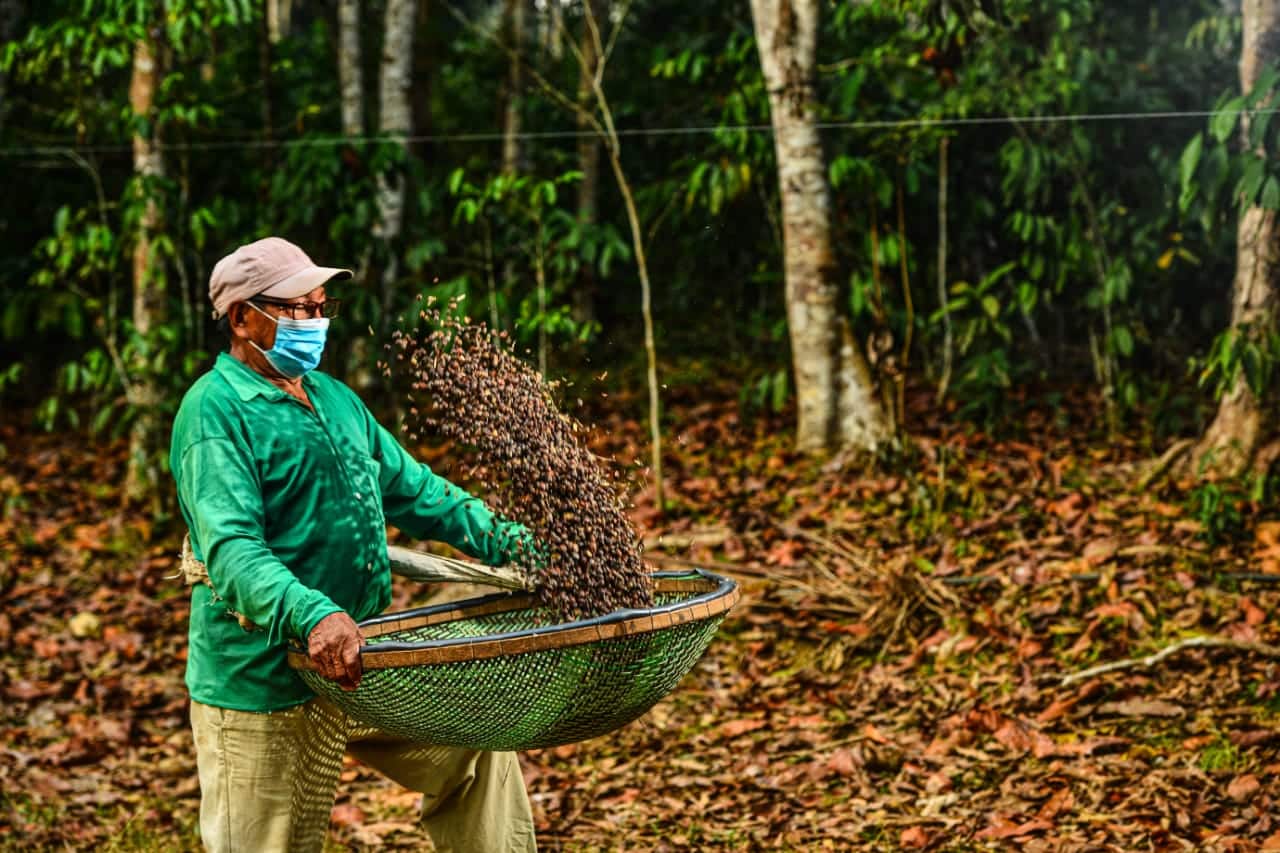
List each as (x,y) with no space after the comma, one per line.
(286,483)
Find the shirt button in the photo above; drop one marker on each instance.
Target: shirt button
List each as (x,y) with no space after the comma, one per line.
(357,496)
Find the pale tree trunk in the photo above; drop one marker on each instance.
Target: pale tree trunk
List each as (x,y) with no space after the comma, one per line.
(837,405)
(395,118)
(551,26)
(143,474)
(269,36)
(584,296)
(351,94)
(513,26)
(279,19)
(1233,439)
(350,71)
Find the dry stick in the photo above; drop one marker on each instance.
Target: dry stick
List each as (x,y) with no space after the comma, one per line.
(1166,461)
(1151,660)
(875,264)
(901,379)
(948,341)
(906,276)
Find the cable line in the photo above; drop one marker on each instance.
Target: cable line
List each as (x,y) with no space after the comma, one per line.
(918,122)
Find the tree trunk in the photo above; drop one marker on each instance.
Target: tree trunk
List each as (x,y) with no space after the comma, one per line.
(837,404)
(395,118)
(513,15)
(1231,441)
(350,71)
(425,54)
(513,28)
(269,36)
(279,19)
(551,25)
(584,296)
(143,474)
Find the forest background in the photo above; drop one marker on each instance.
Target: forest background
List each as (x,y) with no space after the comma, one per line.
(946,326)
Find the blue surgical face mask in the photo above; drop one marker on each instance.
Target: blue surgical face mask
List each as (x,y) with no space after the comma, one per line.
(299,344)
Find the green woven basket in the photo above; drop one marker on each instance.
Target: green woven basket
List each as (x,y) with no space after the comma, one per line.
(495,673)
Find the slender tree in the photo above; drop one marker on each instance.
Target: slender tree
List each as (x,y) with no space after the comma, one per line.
(148,280)
(608,131)
(598,115)
(350,71)
(1233,438)
(837,404)
(279,19)
(514,32)
(395,119)
(584,309)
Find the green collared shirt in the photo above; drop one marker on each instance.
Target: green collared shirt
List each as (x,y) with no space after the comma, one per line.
(287,507)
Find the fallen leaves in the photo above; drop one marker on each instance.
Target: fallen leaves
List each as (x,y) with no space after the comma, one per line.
(846,705)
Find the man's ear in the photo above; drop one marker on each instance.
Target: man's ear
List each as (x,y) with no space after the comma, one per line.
(236,319)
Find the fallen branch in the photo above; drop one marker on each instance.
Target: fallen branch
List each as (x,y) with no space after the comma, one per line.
(1162,465)
(1151,660)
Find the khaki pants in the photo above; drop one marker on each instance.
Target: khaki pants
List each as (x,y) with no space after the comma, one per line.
(267,782)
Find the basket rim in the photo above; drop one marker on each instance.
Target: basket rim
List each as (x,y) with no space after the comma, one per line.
(718,594)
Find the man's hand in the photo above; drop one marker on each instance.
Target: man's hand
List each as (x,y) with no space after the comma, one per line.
(334,646)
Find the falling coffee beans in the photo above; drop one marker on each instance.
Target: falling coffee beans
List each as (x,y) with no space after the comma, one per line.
(478,393)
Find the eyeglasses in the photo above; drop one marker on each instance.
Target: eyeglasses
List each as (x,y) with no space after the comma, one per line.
(303,310)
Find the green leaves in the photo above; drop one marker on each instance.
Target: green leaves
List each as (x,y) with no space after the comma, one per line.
(1188,163)
(1225,117)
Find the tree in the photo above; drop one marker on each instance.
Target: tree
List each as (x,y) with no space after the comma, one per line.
(279,19)
(514,31)
(598,115)
(836,399)
(589,165)
(350,71)
(1233,438)
(395,119)
(149,298)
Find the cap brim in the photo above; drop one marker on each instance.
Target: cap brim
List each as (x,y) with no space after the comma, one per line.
(304,281)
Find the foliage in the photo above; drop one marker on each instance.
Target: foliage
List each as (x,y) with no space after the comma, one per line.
(1081,250)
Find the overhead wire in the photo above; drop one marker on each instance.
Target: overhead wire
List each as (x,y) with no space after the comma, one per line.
(918,122)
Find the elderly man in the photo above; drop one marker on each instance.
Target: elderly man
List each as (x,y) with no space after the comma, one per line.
(286,483)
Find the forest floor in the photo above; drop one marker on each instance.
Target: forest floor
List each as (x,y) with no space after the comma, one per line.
(892,679)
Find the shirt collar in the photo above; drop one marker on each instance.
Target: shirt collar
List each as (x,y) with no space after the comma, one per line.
(244,380)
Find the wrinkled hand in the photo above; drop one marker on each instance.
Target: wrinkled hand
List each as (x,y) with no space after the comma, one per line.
(334,646)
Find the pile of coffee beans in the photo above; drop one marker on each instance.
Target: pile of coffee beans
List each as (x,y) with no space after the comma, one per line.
(470,387)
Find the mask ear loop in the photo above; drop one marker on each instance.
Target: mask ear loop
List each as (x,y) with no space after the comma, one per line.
(254,343)
(263,313)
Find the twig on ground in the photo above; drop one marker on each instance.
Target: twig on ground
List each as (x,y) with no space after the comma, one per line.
(1151,660)
(1161,466)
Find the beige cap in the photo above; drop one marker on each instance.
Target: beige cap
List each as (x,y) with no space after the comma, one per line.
(270,267)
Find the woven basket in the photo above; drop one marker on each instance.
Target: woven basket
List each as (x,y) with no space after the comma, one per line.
(495,673)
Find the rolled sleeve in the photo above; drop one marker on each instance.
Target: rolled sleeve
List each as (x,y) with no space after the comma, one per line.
(428,506)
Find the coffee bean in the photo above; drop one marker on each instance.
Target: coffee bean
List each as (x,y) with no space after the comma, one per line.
(502,414)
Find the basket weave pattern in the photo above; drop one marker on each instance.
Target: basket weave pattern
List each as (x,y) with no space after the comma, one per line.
(493,674)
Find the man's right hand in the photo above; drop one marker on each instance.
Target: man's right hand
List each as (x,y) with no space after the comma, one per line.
(334,647)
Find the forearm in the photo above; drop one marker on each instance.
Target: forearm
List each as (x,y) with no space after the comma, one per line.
(257,585)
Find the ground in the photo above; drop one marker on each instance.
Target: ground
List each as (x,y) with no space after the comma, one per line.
(892,679)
